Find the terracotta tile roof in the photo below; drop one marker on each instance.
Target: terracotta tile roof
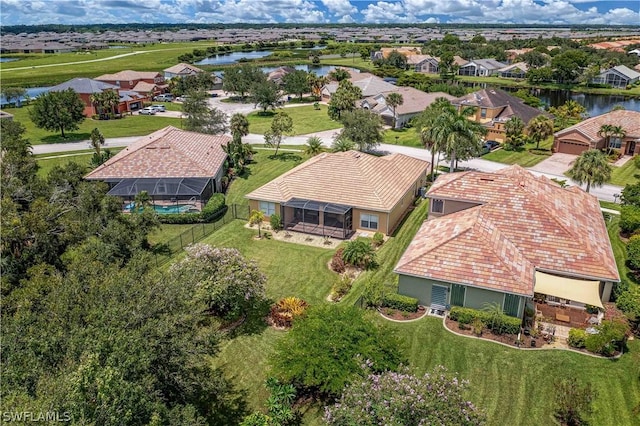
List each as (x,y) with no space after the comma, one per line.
(144,87)
(351,178)
(168,152)
(183,68)
(129,75)
(628,120)
(519,223)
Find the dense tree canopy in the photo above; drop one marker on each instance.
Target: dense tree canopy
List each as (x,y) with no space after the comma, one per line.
(239,79)
(57,111)
(199,117)
(363,127)
(344,99)
(266,95)
(297,83)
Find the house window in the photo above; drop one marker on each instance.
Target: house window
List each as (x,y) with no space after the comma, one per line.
(615,143)
(483,113)
(267,208)
(437,206)
(369,221)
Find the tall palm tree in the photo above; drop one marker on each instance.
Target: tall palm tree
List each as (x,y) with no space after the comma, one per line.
(619,133)
(97,140)
(592,168)
(540,128)
(239,126)
(513,129)
(606,131)
(97,99)
(394,100)
(425,126)
(111,100)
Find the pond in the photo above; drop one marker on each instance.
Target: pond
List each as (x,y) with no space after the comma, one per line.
(32,92)
(233,57)
(9,59)
(319,70)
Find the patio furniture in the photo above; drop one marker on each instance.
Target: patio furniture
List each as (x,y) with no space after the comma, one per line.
(563,318)
(593,320)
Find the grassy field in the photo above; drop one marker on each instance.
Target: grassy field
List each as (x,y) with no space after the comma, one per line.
(610,205)
(405,137)
(625,174)
(522,157)
(306,119)
(134,125)
(37,70)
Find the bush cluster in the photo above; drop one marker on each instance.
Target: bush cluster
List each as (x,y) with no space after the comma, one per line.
(286,310)
(213,210)
(360,253)
(337,264)
(341,286)
(378,239)
(400,302)
(577,338)
(610,337)
(275,222)
(498,324)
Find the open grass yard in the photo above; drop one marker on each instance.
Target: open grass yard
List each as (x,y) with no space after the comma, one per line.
(405,137)
(625,174)
(154,57)
(47,163)
(133,125)
(306,119)
(354,62)
(522,157)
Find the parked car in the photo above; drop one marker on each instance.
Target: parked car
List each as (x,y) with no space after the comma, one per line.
(489,146)
(158,108)
(165,97)
(147,111)
(182,98)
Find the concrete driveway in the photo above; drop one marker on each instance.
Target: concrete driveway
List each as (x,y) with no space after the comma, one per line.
(557,164)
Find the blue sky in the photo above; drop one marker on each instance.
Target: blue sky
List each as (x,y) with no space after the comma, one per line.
(28,12)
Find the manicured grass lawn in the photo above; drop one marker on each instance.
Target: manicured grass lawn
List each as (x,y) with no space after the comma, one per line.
(405,137)
(354,62)
(306,119)
(134,125)
(610,205)
(625,174)
(167,232)
(515,387)
(522,157)
(48,161)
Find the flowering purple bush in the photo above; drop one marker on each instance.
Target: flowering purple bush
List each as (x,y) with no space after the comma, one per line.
(400,398)
(227,282)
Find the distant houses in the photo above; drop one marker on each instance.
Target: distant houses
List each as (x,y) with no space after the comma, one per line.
(481,68)
(181,70)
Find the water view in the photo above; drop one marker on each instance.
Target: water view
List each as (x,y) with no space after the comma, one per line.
(232,58)
(9,59)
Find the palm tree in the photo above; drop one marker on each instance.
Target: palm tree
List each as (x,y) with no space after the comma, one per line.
(339,74)
(513,129)
(97,100)
(313,146)
(97,140)
(110,99)
(425,126)
(618,133)
(256,218)
(239,126)
(540,128)
(592,168)
(141,201)
(394,100)
(606,131)
(316,83)
(342,144)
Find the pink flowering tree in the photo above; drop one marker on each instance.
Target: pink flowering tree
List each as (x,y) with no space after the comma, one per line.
(222,278)
(400,398)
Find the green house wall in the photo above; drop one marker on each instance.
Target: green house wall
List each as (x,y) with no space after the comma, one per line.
(475,298)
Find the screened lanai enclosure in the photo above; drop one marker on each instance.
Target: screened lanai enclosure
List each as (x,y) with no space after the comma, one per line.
(314,217)
(167,195)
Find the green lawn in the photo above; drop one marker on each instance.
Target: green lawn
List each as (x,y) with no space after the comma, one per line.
(134,125)
(405,137)
(167,232)
(625,174)
(610,205)
(523,157)
(49,161)
(306,119)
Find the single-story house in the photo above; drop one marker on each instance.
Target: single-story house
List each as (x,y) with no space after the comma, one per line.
(181,70)
(620,77)
(370,85)
(337,194)
(585,135)
(414,102)
(502,237)
(494,107)
(517,70)
(175,167)
(423,63)
(277,75)
(481,67)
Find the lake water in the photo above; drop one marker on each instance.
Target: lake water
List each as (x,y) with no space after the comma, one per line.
(594,104)
(319,70)
(9,59)
(31,93)
(233,57)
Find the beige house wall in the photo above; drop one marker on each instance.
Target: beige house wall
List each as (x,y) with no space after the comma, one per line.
(450,206)
(382,221)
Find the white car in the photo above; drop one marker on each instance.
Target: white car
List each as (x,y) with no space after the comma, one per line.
(158,108)
(147,111)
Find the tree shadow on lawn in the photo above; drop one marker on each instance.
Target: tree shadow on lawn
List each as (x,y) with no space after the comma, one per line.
(231,404)
(286,156)
(69,137)
(255,320)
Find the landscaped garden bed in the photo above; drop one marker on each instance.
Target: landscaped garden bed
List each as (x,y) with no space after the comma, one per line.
(399,315)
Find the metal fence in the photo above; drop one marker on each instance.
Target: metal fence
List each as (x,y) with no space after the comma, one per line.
(200,230)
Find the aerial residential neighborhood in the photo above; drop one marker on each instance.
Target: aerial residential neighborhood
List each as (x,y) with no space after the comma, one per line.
(341,213)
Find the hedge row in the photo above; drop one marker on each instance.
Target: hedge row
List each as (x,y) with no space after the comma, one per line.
(499,324)
(400,302)
(213,210)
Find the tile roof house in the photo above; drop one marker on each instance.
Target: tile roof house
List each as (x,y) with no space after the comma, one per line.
(170,156)
(370,85)
(86,87)
(340,193)
(481,67)
(619,77)
(414,102)
(494,107)
(517,70)
(584,135)
(503,236)
(131,80)
(181,70)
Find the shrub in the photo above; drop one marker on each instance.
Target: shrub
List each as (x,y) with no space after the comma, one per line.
(360,253)
(286,310)
(337,264)
(477,326)
(341,286)
(610,336)
(636,161)
(400,302)
(576,338)
(373,293)
(212,211)
(378,239)
(573,401)
(633,252)
(629,219)
(463,315)
(497,322)
(276,222)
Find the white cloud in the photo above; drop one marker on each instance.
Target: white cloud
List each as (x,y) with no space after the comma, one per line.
(340,7)
(346,19)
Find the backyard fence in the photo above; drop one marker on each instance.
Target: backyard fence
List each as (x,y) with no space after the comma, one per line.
(199,231)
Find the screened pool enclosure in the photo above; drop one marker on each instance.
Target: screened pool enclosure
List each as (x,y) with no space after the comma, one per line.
(314,217)
(170,194)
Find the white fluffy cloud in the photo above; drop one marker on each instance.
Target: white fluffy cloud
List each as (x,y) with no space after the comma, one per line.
(340,7)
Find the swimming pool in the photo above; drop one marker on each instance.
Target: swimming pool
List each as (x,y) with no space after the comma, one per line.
(172,209)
